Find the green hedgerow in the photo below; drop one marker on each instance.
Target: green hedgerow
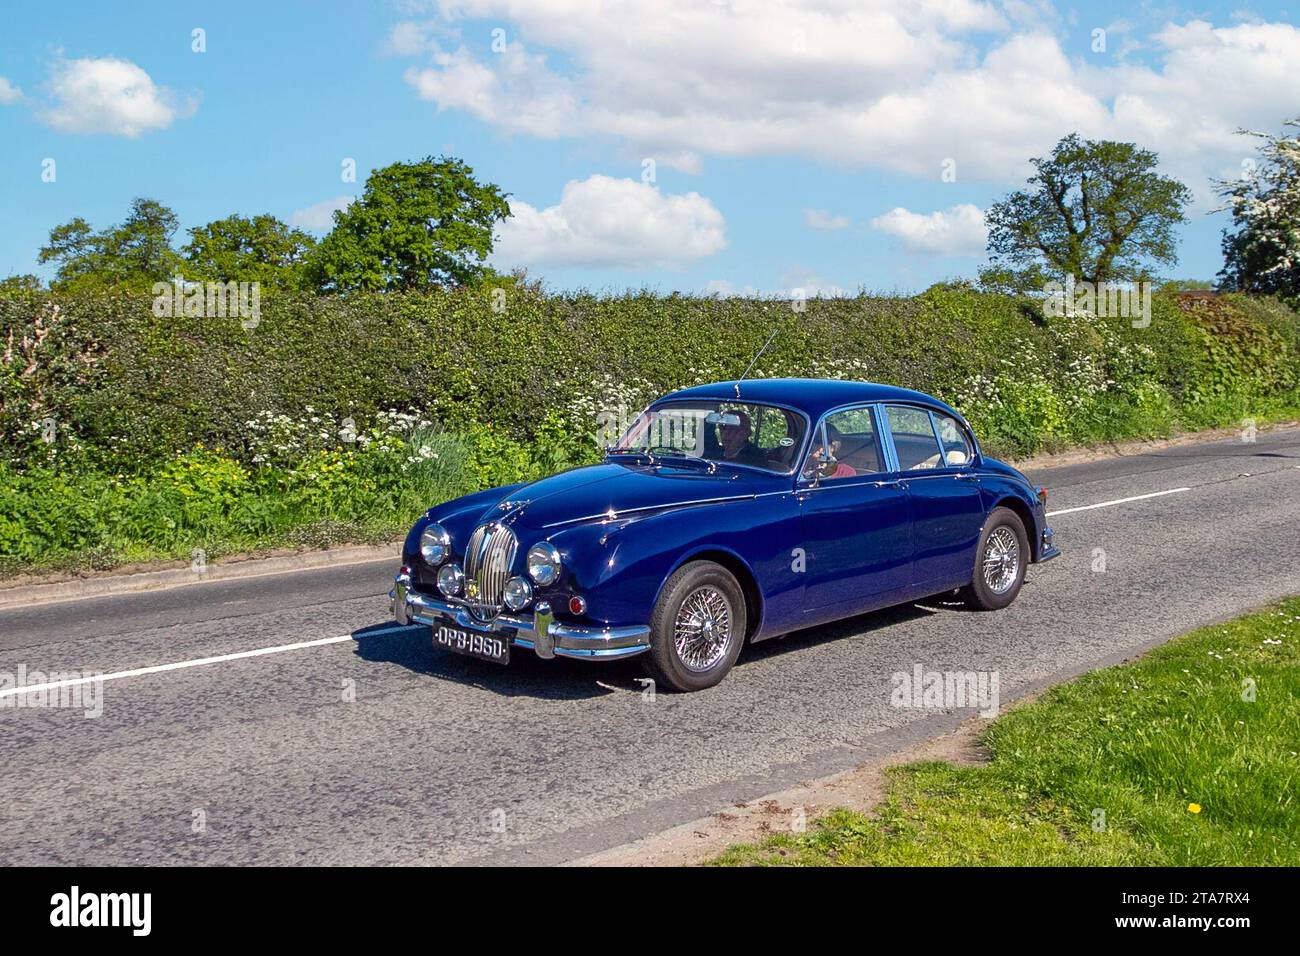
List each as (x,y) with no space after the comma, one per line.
(122,432)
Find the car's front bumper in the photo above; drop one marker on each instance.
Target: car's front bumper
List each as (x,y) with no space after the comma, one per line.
(539,631)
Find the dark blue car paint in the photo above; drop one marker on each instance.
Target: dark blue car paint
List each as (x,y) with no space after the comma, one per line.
(806,553)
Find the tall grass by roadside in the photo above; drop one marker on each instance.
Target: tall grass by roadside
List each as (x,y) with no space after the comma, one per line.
(1186,757)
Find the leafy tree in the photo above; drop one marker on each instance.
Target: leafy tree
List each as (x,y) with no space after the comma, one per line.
(134,254)
(75,248)
(417,225)
(1261,250)
(236,249)
(1187,285)
(1012,281)
(23,283)
(1095,210)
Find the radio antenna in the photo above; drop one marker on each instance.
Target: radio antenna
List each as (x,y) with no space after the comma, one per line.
(754,361)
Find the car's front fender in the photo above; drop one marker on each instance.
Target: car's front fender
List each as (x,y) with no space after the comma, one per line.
(622,565)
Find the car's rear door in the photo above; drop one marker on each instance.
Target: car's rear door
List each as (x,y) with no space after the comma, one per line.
(856,528)
(944,493)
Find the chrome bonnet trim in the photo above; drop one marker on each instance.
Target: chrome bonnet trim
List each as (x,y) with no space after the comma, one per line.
(614,515)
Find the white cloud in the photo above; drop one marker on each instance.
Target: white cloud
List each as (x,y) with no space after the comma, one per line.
(1213,82)
(821,219)
(606,222)
(409,38)
(894,84)
(320,217)
(8,92)
(959,231)
(518,91)
(112,96)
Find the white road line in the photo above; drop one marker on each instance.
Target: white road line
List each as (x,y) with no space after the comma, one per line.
(1117,501)
(182,665)
(281,648)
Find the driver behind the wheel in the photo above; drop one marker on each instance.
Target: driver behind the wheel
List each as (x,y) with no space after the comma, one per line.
(736,446)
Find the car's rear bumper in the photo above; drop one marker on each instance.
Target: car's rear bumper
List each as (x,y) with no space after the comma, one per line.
(1046,550)
(539,631)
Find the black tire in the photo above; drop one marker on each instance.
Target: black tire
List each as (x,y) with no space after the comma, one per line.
(980,595)
(698,581)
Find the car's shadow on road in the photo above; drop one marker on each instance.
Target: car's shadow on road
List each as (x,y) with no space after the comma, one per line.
(847,627)
(527,675)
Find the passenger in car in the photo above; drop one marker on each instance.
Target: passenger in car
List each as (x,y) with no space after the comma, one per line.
(833,468)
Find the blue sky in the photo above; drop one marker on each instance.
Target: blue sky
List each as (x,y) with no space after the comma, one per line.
(795,145)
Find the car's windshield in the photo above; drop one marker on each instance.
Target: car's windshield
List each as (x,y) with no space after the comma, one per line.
(740,433)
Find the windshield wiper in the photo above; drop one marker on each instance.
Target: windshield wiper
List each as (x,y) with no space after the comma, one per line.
(655,453)
(678,455)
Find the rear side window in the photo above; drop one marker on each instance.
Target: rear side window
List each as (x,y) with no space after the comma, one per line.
(914,439)
(957,450)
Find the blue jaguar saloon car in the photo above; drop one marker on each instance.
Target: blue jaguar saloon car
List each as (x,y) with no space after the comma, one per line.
(727,513)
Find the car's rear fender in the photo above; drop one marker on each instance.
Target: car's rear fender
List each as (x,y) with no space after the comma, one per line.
(1012,490)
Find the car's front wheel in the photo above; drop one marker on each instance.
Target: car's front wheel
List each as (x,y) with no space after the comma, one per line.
(1000,562)
(697,628)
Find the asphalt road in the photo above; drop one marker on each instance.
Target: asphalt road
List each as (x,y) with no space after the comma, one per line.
(375,748)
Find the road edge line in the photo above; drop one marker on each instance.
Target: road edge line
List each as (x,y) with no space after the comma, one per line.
(31,595)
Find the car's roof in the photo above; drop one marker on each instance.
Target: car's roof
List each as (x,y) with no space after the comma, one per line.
(812,395)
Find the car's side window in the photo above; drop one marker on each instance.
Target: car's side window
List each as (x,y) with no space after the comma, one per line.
(914,440)
(850,437)
(957,450)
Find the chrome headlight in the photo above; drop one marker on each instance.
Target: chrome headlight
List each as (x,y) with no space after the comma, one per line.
(450,579)
(544,563)
(517,593)
(435,544)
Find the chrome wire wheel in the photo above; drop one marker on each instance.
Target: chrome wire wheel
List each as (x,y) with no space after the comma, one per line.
(1001,560)
(702,629)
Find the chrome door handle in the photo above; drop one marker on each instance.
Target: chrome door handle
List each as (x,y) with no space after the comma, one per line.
(968,476)
(892,483)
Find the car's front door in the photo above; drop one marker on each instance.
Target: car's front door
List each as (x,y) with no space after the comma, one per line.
(944,491)
(855,519)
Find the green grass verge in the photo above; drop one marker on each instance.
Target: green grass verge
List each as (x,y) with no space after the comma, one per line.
(1188,770)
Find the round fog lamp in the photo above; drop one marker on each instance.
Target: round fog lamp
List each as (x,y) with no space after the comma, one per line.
(450,579)
(517,593)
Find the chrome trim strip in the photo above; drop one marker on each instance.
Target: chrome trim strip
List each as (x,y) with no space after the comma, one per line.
(846,483)
(938,442)
(886,439)
(612,515)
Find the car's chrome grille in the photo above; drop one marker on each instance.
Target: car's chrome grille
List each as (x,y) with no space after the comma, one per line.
(488,559)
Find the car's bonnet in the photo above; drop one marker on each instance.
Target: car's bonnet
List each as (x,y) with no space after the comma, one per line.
(596,492)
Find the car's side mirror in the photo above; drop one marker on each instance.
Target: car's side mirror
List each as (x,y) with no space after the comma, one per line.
(824,460)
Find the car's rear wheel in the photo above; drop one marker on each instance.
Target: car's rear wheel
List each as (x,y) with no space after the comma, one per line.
(1000,562)
(697,628)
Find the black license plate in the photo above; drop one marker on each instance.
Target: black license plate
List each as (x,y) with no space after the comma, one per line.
(487,647)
